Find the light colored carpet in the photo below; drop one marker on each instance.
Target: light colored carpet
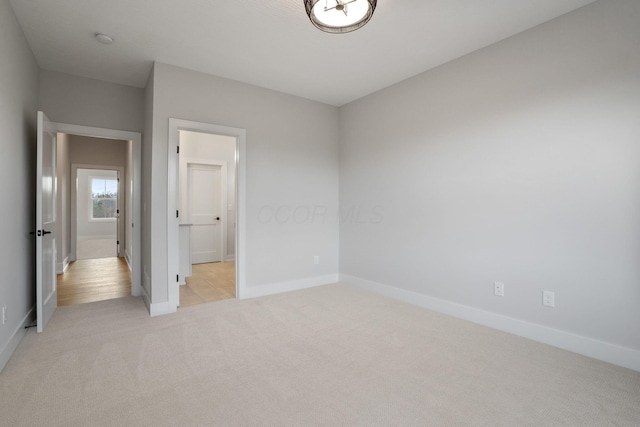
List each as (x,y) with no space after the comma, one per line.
(327,356)
(96,248)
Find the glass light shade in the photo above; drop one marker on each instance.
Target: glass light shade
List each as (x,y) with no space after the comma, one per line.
(339,16)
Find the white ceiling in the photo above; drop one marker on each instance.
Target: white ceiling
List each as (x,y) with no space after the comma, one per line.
(270,43)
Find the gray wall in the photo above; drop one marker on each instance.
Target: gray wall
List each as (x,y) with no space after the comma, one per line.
(518,163)
(19,89)
(97,151)
(291,160)
(87,102)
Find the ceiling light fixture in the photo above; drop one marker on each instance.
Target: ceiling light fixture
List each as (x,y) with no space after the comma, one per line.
(339,16)
(103,38)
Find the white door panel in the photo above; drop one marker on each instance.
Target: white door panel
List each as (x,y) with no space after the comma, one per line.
(46,292)
(205,212)
(202,249)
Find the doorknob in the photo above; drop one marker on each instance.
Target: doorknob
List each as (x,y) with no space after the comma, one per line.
(45,232)
(218,218)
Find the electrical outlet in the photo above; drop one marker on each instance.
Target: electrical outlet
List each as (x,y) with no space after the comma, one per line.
(4,314)
(549,298)
(316,259)
(498,289)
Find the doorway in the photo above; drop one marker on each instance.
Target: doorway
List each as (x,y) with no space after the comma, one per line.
(96,228)
(98,184)
(205,194)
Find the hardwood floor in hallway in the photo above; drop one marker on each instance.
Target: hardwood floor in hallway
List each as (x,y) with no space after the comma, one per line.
(209,282)
(90,280)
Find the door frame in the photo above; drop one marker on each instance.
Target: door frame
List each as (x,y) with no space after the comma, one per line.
(185,163)
(136,139)
(173,267)
(73,223)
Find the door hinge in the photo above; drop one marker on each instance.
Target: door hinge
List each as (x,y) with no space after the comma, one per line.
(117,242)
(178,149)
(177,277)
(177,214)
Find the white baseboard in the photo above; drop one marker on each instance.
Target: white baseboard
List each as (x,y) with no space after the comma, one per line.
(144,290)
(293,285)
(15,338)
(160,308)
(157,309)
(127,258)
(62,266)
(230,258)
(611,353)
(146,283)
(154,309)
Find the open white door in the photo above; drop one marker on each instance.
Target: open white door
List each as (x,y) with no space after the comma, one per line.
(46,293)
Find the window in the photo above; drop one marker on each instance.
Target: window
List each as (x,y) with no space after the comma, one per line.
(104,198)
